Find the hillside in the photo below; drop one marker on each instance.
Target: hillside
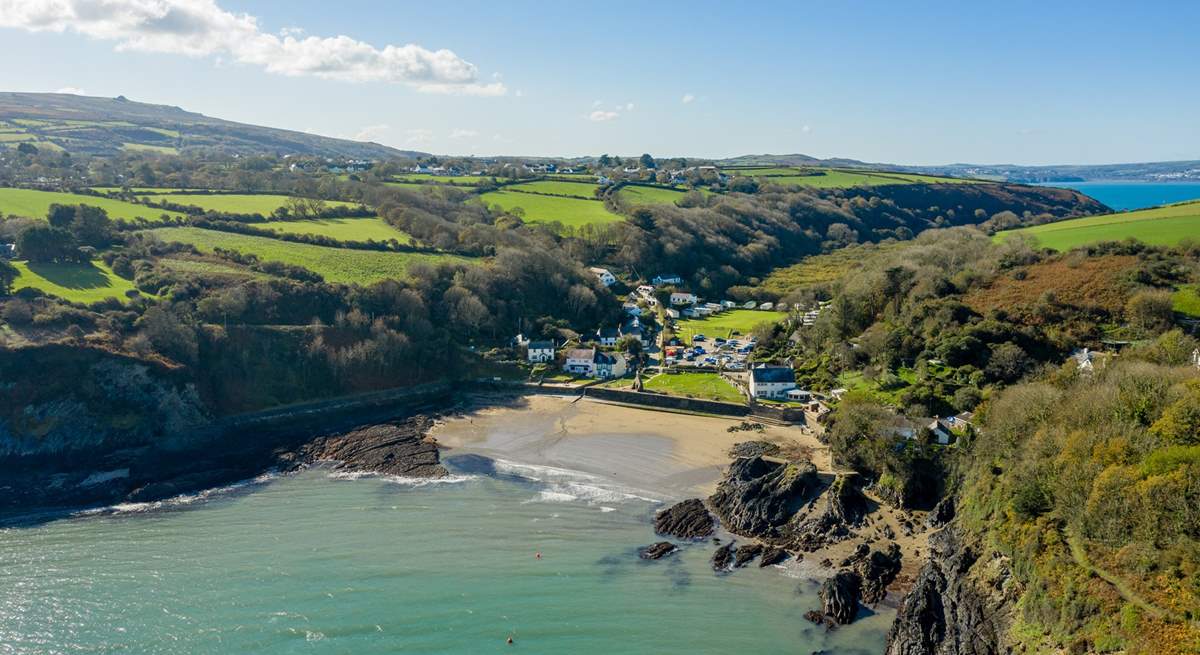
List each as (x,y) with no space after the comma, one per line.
(90,125)
(1167,225)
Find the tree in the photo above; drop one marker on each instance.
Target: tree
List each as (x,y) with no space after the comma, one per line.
(91,227)
(8,274)
(630,344)
(27,148)
(61,215)
(1152,311)
(605,161)
(43,243)
(1007,363)
(647,161)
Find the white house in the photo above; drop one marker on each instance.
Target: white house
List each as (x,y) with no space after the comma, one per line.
(606,277)
(579,361)
(632,309)
(660,280)
(608,365)
(673,313)
(771,381)
(539,351)
(646,290)
(680,298)
(799,395)
(607,336)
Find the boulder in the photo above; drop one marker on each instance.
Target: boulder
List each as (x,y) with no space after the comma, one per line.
(723,558)
(745,554)
(772,555)
(877,571)
(389,449)
(845,509)
(759,496)
(658,550)
(688,519)
(839,596)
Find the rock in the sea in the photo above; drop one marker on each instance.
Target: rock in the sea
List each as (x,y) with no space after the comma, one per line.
(723,558)
(657,551)
(685,520)
(390,449)
(772,555)
(878,570)
(759,496)
(745,554)
(839,596)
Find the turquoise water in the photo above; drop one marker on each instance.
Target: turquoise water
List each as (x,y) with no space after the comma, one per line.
(313,563)
(1135,195)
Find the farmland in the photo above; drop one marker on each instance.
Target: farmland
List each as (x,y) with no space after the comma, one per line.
(709,386)
(35,204)
(342,229)
(334,264)
(643,195)
(149,190)
(467,180)
(571,212)
(1187,301)
(238,203)
(837,178)
(726,323)
(558,188)
(81,283)
(1158,226)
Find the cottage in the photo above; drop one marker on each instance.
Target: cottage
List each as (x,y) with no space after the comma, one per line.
(539,351)
(674,313)
(940,429)
(632,309)
(607,336)
(608,365)
(660,280)
(645,290)
(579,361)
(714,307)
(799,395)
(8,250)
(605,276)
(771,381)
(679,298)
(634,328)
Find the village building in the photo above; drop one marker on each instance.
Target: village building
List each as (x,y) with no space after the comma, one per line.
(595,363)
(680,298)
(604,275)
(660,280)
(579,361)
(539,351)
(607,336)
(771,381)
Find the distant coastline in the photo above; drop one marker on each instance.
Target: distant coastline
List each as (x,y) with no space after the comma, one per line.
(1123,195)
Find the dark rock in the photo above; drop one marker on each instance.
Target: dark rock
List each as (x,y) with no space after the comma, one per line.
(845,508)
(685,520)
(958,604)
(753,449)
(815,616)
(877,571)
(657,551)
(941,514)
(827,563)
(389,449)
(839,596)
(859,553)
(759,496)
(746,553)
(723,558)
(772,555)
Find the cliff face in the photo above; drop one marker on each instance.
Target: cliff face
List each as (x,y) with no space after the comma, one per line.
(961,604)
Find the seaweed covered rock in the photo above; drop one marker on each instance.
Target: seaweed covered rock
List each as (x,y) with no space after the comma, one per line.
(758,496)
(722,560)
(688,519)
(657,551)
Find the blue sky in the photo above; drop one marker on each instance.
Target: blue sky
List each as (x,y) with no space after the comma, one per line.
(916,82)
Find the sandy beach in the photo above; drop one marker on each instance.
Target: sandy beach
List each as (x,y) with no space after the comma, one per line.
(671,454)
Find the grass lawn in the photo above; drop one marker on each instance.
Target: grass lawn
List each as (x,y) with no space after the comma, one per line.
(1161,226)
(142,189)
(644,195)
(34,204)
(334,264)
(571,212)
(142,147)
(236,203)
(82,283)
(209,269)
(709,386)
(1187,300)
(724,324)
(557,187)
(342,229)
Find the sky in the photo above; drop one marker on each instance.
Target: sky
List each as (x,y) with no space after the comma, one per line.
(908,83)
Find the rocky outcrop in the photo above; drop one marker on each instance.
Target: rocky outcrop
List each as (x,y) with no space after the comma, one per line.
(657,551)
(839,596)
(745,554)
(722,560)
(845,508)
(772,555)
(877,570)
(959,605)
(941,514)
(389,449)
(685,520)
(758,496)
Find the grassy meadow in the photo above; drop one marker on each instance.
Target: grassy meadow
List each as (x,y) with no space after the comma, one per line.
(35,204)
(238,203)
(1187,300)
(443,179)
(726,323)
(81,283)
(709,386)
(571,212)
(839,178)
(1160,226)
(644,195)
(334,264)
(819,268)
(585,190)
(342,229)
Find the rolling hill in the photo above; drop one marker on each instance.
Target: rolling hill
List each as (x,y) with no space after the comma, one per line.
(1166,225)
(105,126)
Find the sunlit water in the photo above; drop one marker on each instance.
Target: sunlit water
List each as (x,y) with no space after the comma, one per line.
(315,563)
(1124,196)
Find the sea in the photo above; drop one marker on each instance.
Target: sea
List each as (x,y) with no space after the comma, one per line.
(325,562)
(1123,196)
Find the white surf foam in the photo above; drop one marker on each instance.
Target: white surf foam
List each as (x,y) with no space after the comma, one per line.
(567,485)
(400,479)
(176,501)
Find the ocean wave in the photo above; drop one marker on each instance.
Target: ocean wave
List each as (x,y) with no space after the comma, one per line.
(567,485)
(175,501)
(400,479)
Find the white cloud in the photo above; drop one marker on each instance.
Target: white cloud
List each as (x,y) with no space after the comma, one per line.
(372,132)
(418,136)
(73,90)
(600,115)
(462,134)
(806,129)
(687,98)
(200,28)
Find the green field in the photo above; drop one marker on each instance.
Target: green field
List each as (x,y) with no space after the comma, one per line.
(1187,300)
(142,147)
(342,229)
(82,283)
(571,212)
(238,203)
(151,190)
(35,204)
(817,269)
(444,179)
(724,324)
(208,269)
(709,386)
(837,178)
(1160,226)
(644,195)
(556,187)
(334,264)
